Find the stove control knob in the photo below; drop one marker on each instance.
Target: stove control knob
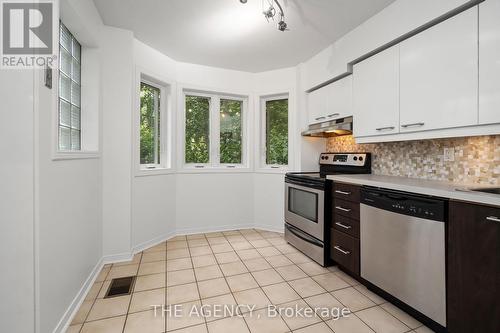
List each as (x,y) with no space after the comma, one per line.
(361,158)
(355,158)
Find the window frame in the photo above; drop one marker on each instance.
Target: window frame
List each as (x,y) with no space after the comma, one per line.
(214,164)
(161,113)
(90,113)
(166,87)
(262,164)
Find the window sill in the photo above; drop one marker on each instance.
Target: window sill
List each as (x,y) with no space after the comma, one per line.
(269,170)
(144,172)
(75,155)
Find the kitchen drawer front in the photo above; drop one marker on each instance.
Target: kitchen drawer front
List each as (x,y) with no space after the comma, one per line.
(346,225)
(346,208)
(345,251)
(489,215)
(346,192)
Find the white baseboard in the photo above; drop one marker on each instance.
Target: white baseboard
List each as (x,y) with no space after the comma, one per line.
(157,240)
(190,231)
(66,319)
(269,227)
(116,258)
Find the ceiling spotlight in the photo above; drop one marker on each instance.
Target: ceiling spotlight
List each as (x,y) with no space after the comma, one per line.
(282,26)
(270,12)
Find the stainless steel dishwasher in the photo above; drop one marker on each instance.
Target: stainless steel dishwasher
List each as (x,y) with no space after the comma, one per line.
(402,246)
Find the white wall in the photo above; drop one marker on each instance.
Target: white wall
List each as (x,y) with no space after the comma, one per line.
(117,81)
(153,208)
(208,202)
(269,201)
(69,191)
(17,280)
(70,223)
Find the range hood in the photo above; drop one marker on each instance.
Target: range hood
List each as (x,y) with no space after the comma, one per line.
(337,127)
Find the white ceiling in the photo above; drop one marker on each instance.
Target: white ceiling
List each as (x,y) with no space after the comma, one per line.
(228,34)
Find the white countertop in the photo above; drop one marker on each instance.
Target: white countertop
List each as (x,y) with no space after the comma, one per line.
(420,186)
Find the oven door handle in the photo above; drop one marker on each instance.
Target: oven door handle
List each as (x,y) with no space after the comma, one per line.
(305,237)
(304,183)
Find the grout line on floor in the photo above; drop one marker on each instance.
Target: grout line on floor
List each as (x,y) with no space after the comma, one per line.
(227,238)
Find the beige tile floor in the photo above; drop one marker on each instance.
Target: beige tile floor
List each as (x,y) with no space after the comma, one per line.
(251,267)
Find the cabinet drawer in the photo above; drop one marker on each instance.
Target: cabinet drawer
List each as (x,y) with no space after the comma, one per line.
(346,208)
(345,251)
(346,192)
(346,225)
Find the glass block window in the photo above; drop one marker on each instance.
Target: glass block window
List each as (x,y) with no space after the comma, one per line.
(69,125)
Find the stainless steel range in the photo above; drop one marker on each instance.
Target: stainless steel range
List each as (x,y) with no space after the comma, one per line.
(308,202)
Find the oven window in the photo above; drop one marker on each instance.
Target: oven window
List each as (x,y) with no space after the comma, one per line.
(303,203)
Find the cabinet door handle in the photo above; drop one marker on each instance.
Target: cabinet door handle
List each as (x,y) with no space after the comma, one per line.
(342,192)
(333,115)
(343,209)
(343,225)
(338,248)
(385,128)
(413,125)
(493,218)
(319,118)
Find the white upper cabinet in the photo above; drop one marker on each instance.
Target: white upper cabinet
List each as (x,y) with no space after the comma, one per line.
(316,105)
(376,94)
(331,102)
(439,75)
(339,101)
(489,62)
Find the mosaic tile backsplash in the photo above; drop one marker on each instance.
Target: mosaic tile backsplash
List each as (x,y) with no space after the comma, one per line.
(477,159)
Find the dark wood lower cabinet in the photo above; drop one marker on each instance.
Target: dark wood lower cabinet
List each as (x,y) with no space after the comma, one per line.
(473,291)
(344,251)
(344,247)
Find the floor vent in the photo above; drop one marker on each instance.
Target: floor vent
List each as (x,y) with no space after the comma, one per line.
(120,287)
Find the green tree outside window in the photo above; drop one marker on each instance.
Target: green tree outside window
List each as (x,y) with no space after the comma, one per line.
(277,132)
(150,125)
(197,148)
(230,131)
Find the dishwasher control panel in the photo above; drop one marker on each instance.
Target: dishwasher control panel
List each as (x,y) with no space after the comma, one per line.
(416,205)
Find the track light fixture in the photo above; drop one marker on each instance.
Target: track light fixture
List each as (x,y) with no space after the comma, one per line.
(269,11)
